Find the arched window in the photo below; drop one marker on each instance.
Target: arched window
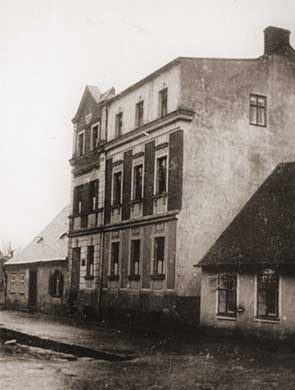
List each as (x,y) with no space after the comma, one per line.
(56,284)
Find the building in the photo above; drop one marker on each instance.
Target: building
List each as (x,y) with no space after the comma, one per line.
(162,168)
(37,277)
(248,278)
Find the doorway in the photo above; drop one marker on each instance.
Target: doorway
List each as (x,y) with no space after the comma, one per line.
(33,288)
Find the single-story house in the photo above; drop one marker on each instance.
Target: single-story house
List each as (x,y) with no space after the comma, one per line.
(37,277)
(248,275)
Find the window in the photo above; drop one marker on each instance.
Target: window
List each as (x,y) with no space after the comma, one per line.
(139,114)
(161,177)
(268,294)
(77,201)
(56,284)
(81,144)
(12,284)
(227,295)
(137,182)
(22,278)
(119,124)
(257,110)
(135,257)
(159,255)
(117,186)
(95,135)
(114,271)
(90,261)
(94,195)
(163,102)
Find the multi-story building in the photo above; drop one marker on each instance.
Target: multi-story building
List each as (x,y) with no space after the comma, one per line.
(160,169)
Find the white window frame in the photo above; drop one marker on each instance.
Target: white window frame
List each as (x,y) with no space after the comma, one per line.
(224,316)
(98,123)
(159,155)
(84,143)
(135,164)
(115,171)
(136,238)
(270,320)
(164,234)
(118,240)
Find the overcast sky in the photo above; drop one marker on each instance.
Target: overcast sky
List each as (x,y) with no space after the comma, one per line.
(49,50)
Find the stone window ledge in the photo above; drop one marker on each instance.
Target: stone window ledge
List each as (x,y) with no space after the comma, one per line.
(267,320)
(158,277)
(226,318)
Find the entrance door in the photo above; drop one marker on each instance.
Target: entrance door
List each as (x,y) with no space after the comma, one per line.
(33,288)
(76,268)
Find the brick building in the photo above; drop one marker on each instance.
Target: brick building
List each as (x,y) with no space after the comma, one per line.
(160,170)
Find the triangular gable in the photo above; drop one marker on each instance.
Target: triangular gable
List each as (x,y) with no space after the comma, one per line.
(90,98)
(264,231)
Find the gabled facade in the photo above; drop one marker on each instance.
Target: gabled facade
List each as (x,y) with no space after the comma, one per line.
(184,150)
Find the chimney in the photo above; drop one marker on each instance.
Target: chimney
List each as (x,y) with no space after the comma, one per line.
(276,40)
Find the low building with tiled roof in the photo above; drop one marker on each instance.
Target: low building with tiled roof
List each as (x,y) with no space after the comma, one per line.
(38,275)
(248,275)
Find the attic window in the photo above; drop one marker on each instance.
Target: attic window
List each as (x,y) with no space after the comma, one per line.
(65,234)
(40,239)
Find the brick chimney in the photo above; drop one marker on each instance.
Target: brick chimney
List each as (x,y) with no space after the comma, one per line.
(276,40)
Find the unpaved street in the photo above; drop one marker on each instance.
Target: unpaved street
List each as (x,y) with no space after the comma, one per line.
(167,365)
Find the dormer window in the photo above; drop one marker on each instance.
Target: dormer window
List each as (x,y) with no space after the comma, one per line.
(163,102)
(95,135)
(119,124)
(81,143)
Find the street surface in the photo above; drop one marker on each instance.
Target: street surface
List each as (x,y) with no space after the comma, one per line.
(162,363)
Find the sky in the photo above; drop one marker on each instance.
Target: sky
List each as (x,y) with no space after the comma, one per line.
(49,51)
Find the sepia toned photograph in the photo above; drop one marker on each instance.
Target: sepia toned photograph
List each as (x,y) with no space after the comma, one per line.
(147,234)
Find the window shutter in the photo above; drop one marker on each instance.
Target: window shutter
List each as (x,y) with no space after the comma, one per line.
(175,170)
(108,191)
(127,167)
(149,159)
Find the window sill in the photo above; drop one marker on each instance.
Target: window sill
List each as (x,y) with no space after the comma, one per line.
(113,278)
(89,277)
(135,278)
(256,124)
(267,320)
(226,318)
(162,195)
(157,277)
(136,201)
(116,206)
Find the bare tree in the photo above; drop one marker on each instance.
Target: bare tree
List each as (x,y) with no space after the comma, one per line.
(6,249)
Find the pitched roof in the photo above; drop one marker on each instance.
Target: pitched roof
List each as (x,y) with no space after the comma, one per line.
(51,243)
(264,231)
(95,92)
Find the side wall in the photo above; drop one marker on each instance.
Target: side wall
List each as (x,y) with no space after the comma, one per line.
(225,158)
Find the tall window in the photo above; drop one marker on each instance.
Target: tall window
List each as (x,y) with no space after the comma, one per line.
(81,144)
(227,294)
(115,250)
(95,135)
(137,182)
(56,284)
(94,195)
(257,110)
(161,184)
(163,102)
(268,294)
(22,278)
(90,261)
(139,113)
(117,186)
(159,256)
(135,257)
(119,124)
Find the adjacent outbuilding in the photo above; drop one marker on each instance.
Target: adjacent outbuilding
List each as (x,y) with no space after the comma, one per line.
(248,275)
(37,276)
